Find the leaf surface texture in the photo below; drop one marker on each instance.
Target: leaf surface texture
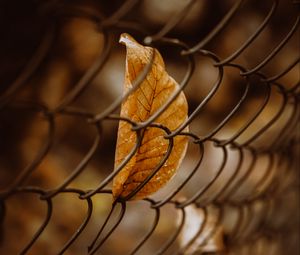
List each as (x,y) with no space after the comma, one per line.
(141,104)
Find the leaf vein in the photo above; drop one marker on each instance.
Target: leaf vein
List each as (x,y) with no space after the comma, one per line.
(150,157)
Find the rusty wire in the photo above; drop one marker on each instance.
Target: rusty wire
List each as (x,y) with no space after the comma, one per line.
(268,190)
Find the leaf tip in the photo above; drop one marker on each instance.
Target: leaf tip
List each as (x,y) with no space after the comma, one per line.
(126,39)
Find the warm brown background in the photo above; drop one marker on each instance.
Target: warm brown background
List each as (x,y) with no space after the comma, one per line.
(78,42)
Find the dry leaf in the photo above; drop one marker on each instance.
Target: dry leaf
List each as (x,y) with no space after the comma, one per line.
(152,94)
(194,219)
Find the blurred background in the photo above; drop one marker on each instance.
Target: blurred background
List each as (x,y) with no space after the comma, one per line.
(64,56)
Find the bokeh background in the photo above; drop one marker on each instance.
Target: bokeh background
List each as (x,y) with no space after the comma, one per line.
(48,47)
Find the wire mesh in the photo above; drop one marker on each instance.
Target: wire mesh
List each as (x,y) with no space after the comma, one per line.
(238,63)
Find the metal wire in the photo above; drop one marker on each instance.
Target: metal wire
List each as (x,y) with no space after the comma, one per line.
(275,179)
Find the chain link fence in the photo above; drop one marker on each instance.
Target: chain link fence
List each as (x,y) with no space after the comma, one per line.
(237,190)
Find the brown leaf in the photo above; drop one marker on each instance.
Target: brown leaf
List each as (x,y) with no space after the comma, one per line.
(152,94)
